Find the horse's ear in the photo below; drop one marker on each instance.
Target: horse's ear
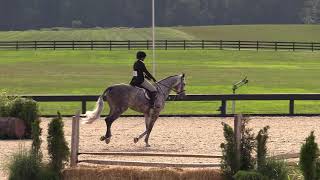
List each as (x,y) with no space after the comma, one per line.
(183,75)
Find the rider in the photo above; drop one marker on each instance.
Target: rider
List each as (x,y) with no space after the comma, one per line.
(140,72)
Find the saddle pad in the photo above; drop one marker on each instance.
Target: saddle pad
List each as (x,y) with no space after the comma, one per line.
(145,92)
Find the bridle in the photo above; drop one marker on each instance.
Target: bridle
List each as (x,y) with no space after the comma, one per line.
(178,92)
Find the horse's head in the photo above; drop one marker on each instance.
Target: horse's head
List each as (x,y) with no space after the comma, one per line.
(179,88)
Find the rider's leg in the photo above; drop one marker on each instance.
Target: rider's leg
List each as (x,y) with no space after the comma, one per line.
(153,92)
(153,96)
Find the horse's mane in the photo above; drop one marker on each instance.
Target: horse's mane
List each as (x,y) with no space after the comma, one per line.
(168,77)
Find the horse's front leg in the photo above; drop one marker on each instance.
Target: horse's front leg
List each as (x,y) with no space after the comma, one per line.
(147,120)
(136,139)
(150,125)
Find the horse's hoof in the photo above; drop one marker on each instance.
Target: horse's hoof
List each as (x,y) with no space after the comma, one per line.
(135,140)
(102,138)
(148,145)
(107,140)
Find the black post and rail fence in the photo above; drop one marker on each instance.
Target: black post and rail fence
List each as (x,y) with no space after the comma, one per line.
(223,98)
(162,44)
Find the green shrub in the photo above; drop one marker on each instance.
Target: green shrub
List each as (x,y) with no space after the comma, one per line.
(261,141)
(308,158)
(275,169)
(317,169)
(249,175)
(36,139)
(4,104)
(46,173)
(26,165)
(57,146)
(271,168)
(266,169)
(228,161)
(247,146)
(25,109)
(294,173)
(22,108)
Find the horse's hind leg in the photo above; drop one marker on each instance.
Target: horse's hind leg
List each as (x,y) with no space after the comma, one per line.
(109,120)
(113,115)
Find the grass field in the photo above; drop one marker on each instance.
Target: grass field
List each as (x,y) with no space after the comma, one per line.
(228,32)
(208,72)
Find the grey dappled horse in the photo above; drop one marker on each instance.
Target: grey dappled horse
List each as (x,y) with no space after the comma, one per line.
(121,97)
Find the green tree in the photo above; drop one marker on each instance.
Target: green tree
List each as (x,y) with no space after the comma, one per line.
(261,140)
(36,139)
(57,146)
(308,158)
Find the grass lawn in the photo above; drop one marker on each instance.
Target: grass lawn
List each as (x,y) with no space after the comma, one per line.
(305,33)
(207,72)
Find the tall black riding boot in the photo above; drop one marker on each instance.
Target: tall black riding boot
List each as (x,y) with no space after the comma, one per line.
(153,96)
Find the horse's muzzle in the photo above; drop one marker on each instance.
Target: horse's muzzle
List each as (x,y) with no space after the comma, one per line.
(181,95)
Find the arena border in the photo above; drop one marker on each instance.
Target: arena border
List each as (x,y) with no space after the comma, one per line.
(223,98)
(204,115)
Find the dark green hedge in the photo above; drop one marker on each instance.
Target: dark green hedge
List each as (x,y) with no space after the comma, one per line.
(22,108)
(249,175)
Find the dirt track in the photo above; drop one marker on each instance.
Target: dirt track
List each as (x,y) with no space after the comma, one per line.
(176,135)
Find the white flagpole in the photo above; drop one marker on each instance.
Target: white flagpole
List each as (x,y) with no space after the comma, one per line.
(153,40)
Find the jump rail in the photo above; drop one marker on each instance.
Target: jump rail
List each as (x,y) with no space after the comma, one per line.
(291,98)
(151,164)
(150,154)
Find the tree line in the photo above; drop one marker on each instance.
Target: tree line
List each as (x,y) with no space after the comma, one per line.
(36,14)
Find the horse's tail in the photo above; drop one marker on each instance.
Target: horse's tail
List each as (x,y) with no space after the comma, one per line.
(91,116)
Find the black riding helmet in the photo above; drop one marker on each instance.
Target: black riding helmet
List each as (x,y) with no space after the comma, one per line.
(141,55)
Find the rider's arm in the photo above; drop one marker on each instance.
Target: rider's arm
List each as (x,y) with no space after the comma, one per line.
(148,75)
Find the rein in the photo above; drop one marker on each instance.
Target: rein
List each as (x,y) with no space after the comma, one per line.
(178,93)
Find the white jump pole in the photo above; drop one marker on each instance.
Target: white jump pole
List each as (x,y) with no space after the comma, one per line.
(75,140)
(237,138)
(153,41)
